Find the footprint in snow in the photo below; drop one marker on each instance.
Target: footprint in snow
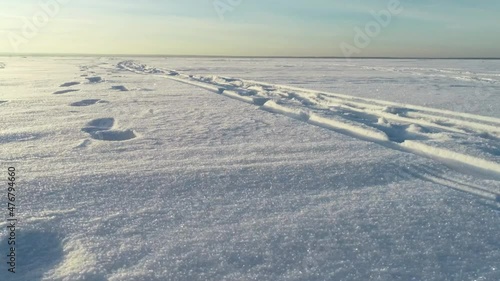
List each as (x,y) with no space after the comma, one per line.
(69,84)
(88,102)
(65,91)
(94,79)
(114,135)
(40,250)
(101,129)
(119,88)
(100,124)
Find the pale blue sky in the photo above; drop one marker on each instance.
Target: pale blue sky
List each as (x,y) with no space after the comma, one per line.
(424,28)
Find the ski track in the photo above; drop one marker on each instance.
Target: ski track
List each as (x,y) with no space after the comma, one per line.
(396,126)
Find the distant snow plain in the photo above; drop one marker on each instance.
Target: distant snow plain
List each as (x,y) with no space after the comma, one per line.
(252,169)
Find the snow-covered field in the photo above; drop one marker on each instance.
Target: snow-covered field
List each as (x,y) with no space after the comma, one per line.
(251,169)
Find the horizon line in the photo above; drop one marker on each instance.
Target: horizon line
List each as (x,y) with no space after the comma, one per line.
(231,56)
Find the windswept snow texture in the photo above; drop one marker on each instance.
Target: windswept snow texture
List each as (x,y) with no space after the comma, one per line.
(250,169)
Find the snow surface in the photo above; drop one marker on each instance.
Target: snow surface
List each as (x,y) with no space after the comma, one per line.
(252,169)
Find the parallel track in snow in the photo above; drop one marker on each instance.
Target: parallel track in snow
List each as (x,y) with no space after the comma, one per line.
(408,128)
